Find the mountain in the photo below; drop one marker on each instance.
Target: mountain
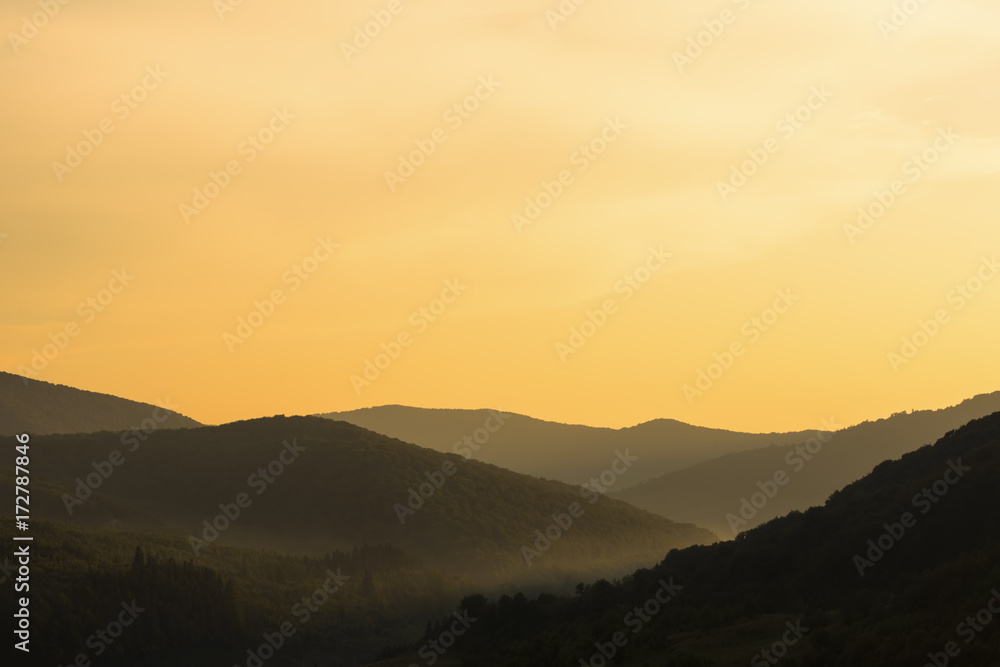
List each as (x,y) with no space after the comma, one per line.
(897,569)
(738,491)
(309,485)
(43,408)
(570,453)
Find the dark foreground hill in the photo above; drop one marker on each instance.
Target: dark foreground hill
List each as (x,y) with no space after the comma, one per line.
(901,568)
(42,408)
(309,485)
(216,609)
(566,452)
(738,491)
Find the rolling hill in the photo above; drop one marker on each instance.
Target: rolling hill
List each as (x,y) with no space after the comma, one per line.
(712,494)
(897,569)
(565,452)
(309,485)
(43,408)
(207,611)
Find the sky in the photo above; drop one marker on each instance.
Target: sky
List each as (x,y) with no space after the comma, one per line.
(621,212)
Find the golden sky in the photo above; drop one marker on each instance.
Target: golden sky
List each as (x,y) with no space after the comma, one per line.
(308,128)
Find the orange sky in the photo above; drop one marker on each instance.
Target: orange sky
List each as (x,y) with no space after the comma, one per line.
(300,132)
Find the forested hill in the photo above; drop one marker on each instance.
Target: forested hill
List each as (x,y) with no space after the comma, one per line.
(571,453)
(42,408)
(314,485)
(711,493)
(887,573)
(208,611)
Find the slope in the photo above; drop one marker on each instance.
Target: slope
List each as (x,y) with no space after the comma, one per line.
(310,485)
(42,408)
(740,490)
(210,610)
(566,452)
(899,568)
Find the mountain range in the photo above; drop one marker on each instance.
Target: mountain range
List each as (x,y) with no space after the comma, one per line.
(738,491)
(899,568)
(861,545)
(308,485)
(570,453)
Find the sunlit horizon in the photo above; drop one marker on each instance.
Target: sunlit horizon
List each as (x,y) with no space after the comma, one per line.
(577,220)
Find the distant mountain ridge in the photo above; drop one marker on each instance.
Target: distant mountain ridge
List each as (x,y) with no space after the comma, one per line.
(896,569)
(43,408)
(312,485)
(712,493)
(565,452)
